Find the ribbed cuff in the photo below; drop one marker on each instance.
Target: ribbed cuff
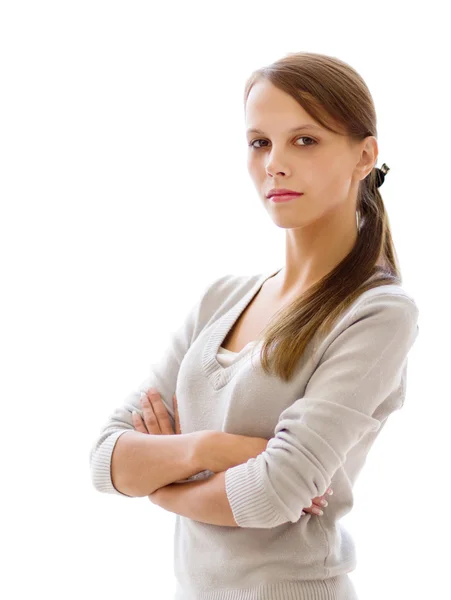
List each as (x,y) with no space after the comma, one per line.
(101,465)
(332,588)
(250,503)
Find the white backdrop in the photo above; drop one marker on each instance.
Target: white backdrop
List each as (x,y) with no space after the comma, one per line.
(124,190)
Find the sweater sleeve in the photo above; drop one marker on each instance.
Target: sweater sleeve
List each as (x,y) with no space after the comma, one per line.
(163,376)
(359,369)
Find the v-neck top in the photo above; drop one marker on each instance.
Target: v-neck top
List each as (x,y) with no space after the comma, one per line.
(220,366)
(226,355)
(320,426)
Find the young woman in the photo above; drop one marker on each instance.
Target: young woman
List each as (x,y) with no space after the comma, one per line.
(283,379)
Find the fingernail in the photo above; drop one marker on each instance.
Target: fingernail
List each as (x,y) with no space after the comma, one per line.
(330,491)
(318,511)
(324,502)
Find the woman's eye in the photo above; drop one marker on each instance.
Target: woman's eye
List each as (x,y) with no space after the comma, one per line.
(304,137)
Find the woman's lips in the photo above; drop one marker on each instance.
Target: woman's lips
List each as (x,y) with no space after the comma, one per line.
(284,197)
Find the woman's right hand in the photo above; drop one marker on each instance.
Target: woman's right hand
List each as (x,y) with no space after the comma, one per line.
(219,451)
(317,503)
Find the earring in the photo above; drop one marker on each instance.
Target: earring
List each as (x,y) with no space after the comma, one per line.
(357,219)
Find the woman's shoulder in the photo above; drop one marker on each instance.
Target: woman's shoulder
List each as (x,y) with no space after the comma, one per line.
(388,295)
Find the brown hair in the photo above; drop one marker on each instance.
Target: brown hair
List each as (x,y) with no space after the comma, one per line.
(332,92)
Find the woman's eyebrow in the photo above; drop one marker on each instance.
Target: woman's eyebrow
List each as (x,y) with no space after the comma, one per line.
(300,128)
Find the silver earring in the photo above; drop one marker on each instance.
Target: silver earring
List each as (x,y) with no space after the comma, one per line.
(357,219)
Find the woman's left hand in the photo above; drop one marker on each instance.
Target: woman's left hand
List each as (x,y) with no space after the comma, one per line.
(156,422)
(156,418)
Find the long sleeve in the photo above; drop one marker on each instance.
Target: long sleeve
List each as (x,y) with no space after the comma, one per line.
(163,376)
(359,369)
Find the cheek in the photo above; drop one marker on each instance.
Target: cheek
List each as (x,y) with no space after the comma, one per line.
(339,184)
(327,180)
(252,163)
(256,169)
(330,192)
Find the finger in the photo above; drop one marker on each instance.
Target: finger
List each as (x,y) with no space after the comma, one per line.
(315,507)
(313,510)
(176,416)
(138,423)
(161,414)
(319,501)
(150,419)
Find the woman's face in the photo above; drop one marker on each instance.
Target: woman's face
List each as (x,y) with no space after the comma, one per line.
(323,165)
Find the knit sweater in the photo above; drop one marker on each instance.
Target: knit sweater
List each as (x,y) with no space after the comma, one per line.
(320,426)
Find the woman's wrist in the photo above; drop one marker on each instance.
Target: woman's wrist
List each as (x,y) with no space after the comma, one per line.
(206,444)
(218,451)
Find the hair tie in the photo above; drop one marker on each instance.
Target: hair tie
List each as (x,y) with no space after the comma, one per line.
(380,174)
